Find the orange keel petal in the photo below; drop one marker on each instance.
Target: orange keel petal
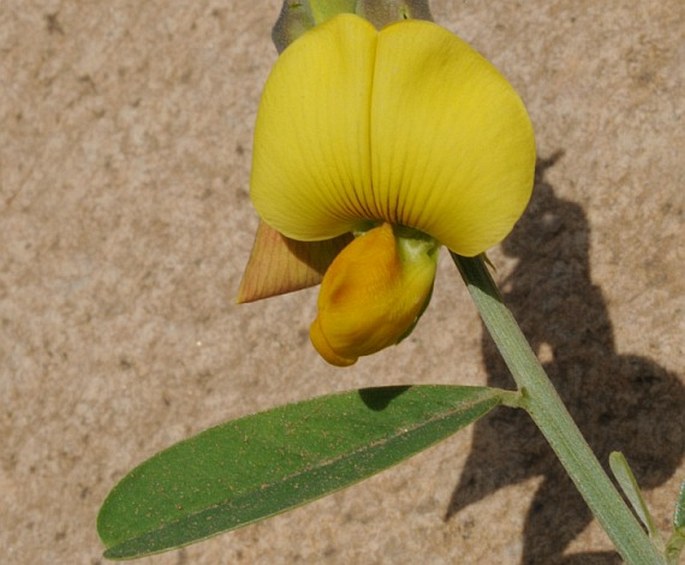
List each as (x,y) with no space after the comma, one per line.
(372,294)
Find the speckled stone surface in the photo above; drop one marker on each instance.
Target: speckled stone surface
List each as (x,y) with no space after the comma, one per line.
(125,222)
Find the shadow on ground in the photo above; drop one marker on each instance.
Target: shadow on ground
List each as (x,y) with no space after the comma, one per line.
(621,402)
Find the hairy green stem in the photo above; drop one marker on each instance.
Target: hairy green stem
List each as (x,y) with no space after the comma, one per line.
(543,404)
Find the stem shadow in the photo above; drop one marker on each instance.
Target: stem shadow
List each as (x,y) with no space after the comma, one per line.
(620,402)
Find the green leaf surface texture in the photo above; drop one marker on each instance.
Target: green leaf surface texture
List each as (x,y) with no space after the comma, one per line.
(257,466)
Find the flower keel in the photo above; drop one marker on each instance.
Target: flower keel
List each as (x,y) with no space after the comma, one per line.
(373,293)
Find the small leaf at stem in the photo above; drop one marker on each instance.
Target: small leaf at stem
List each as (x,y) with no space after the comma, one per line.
(676,543)
(679,514)
(252,468)
(626,480)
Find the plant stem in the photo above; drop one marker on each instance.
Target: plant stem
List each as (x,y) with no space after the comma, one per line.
(543,404)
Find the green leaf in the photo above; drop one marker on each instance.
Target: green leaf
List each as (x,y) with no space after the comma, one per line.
(628,483)
(679,514)
(676,543)
(248,469)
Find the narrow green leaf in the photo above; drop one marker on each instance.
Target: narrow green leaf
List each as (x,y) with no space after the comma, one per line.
(679,514)
(628,483)
(676,543)
(248,469)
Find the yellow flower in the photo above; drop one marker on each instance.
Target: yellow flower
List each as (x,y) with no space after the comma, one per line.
(360,130)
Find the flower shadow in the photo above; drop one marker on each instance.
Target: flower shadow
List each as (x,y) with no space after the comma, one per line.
(620,402)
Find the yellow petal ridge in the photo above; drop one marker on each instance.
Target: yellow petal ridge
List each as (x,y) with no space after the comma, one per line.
(372,294)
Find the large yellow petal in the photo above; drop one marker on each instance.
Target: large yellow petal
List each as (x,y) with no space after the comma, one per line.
(409,126)
(311,174)
(452,147)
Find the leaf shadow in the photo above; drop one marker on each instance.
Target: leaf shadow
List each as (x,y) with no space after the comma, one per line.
(620,402)
(378,398)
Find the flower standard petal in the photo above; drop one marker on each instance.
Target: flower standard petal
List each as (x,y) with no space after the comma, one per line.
(409,125)
(311,176)
(452,147)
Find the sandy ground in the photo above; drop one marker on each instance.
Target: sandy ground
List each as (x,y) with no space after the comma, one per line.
(125,222)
